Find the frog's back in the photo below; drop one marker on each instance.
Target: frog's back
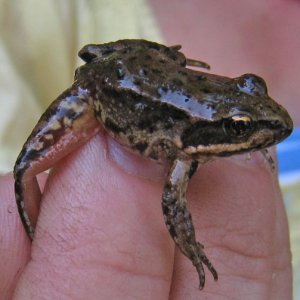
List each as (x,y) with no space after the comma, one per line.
(128,86)
(148,100)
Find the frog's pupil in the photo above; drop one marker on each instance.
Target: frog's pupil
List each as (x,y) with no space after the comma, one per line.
(240,127)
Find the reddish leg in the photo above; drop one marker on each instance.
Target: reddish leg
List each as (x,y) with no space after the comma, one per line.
(66,124)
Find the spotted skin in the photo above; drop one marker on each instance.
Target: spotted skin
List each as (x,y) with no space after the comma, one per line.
(178,218)
(146,98)
(66,124)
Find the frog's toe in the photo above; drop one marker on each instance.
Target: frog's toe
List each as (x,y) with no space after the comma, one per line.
(198,262)
(211,269)
(201,273)
(209,265)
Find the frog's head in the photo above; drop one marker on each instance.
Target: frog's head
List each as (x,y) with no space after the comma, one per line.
(242,117)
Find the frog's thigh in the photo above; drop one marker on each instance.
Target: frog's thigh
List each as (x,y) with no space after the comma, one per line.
(66,124)
(178,218)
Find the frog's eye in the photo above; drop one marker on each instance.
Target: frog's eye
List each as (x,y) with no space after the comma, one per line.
(252,85)
(239,125)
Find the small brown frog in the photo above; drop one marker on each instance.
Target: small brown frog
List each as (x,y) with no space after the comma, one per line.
(144,96)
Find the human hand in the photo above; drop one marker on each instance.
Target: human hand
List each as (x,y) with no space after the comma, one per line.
(101,233)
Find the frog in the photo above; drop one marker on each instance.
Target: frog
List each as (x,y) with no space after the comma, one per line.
(153,101)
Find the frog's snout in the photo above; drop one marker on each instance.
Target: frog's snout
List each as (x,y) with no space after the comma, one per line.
(283,126)
(287,126)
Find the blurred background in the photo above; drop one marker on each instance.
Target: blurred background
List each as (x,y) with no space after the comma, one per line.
(39,41)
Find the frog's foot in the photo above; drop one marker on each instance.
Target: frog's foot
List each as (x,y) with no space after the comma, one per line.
(65,125)
(178,218)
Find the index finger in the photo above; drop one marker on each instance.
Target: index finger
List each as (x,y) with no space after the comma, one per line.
(100,234)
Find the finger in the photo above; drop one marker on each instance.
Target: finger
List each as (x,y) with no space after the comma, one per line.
(14,246)
(233,204)
(100,234)
(281,287)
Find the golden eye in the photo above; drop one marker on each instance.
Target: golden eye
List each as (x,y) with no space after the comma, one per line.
(239,125)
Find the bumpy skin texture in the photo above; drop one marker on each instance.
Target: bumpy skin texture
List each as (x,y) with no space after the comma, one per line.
(145,97)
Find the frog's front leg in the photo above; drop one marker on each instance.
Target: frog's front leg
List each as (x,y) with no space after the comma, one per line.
(178,218)
(66,124)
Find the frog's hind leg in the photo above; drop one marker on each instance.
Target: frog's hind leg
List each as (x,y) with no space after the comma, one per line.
(66,124)
(178,218)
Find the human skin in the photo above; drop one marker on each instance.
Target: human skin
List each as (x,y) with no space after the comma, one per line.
(101,233)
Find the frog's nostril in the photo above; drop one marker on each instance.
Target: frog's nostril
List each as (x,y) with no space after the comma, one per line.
(276,124)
